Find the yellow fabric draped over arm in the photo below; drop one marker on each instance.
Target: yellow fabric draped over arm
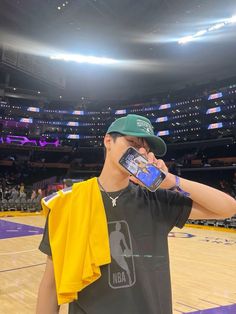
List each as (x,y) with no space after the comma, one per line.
(79,238)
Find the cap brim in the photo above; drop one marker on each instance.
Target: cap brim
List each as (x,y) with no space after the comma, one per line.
(156,144)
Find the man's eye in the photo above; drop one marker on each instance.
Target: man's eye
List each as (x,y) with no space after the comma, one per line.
(134,144)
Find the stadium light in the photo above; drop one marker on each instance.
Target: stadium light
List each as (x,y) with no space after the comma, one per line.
(84,59)
(186,39)
(232,19)
(214,27)
(200,33)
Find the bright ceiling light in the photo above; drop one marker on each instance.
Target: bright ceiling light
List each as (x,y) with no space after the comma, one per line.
(200,33)
(185,39)
(84,59)
(232,19)
(214,27)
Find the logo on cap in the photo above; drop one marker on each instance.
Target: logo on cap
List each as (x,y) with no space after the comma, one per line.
(145,126)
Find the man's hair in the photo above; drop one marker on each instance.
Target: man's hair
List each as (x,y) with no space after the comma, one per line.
(114,136)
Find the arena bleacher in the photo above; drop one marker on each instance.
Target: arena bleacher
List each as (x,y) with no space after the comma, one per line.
(42,144)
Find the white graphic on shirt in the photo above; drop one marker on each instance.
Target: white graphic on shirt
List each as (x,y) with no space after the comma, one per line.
(121,270)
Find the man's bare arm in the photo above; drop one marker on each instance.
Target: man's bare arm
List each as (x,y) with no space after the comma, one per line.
(47,297)
(208,203)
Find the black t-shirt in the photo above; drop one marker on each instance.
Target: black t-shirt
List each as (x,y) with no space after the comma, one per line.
(138,279)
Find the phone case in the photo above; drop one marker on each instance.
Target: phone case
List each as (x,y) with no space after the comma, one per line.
(138,166)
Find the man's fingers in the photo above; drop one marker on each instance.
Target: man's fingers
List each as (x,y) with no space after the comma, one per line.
(151,158)
(161,165)
(143,152)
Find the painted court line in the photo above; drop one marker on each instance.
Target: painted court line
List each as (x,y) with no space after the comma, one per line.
(210,302)
(227,309)
(18,252)
(191,307)
(10,229)
(19,268)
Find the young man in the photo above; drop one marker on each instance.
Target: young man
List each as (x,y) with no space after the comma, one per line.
(137,280)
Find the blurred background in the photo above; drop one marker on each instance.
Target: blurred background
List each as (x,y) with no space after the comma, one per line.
(69,68)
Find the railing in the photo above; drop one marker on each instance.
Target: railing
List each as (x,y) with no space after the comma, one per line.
(225,223)
(42,183)
(226,161)
(24,206)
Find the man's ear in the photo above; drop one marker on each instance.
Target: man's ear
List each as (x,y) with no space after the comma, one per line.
(107,141)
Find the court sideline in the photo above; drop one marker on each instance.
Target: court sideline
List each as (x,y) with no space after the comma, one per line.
(203,268)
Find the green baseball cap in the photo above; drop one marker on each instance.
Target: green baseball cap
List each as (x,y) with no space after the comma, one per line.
(138,126)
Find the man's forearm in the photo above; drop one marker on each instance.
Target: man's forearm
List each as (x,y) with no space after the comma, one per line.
(213,200)
(47,300)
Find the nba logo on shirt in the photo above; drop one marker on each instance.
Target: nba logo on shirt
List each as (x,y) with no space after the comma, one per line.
(121,271)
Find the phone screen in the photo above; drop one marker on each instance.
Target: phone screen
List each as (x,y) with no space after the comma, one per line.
(139,167)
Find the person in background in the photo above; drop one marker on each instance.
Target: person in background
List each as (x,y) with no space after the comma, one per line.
(22,187)
(39,196)
(33,195)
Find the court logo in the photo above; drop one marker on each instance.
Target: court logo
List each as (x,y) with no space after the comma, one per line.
(121,271)
(219,240)
(180,235)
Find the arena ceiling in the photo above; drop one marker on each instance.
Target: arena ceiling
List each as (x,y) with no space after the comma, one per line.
(143,34)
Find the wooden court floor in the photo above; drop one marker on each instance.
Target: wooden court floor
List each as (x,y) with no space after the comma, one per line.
(203,269)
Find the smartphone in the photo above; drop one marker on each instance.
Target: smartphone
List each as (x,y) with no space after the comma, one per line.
(140,168)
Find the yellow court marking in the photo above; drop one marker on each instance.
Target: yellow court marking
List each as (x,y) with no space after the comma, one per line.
(211,228)
(19,213)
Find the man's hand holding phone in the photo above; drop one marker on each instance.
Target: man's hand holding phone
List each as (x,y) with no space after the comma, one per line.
(144,167)
(169,180)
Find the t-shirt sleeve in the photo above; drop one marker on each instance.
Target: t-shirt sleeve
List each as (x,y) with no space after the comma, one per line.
(44,245)
(177,209)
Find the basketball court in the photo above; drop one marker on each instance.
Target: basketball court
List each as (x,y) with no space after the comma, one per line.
(203,267)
